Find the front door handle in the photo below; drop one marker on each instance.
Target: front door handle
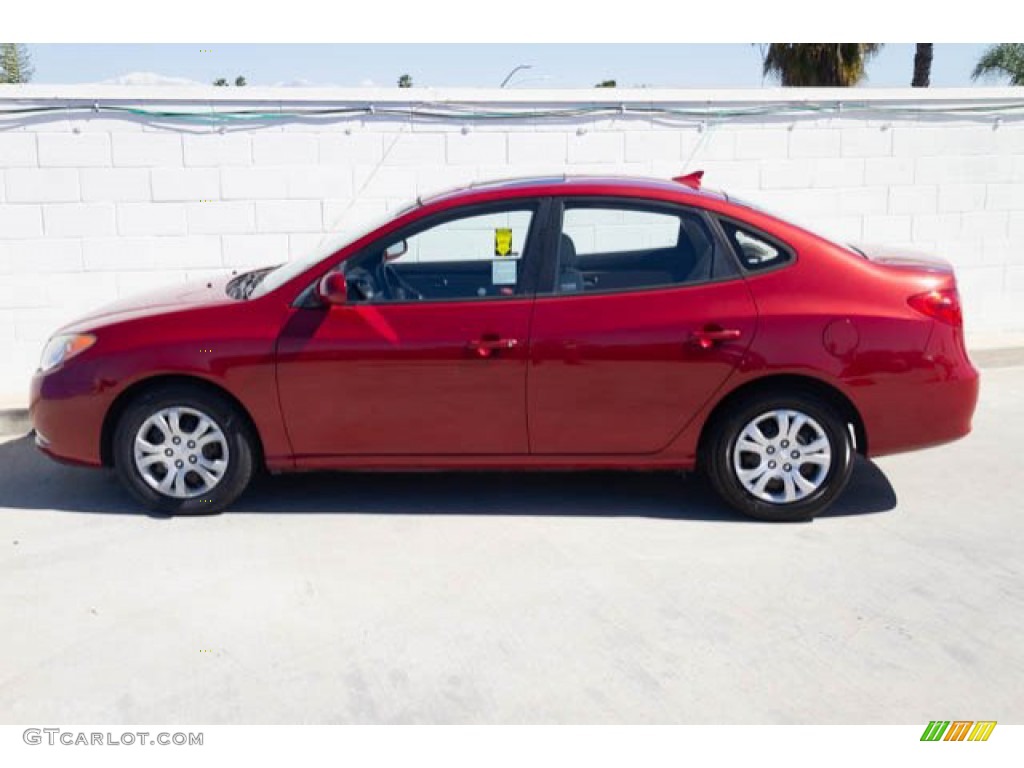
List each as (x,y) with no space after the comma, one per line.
(488,345)
(707,337)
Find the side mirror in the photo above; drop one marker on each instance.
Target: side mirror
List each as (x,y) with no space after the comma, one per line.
(332,288)
(395,251)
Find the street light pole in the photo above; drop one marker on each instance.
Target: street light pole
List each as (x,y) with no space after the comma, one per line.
(510,74)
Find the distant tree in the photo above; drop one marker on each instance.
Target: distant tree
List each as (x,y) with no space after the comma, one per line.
(606,84)
(240,81)
(818,64)
(220,81)
(1002,60)
(405,81)
(922,66)
(15,63)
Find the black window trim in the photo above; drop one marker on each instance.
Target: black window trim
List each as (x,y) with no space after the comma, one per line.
(534,249)
(545,287)
(757,232)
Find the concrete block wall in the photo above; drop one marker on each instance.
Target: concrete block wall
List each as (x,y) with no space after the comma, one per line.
(96,205)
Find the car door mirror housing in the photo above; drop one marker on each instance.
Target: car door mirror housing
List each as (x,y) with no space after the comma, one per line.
(333,289)
(396,250)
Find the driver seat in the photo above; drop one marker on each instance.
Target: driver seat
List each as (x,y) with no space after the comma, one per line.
(570,276)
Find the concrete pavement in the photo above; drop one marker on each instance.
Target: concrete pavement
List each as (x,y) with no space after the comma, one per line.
(593,598)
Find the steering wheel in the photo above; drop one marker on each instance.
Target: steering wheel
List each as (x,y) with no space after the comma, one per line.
(361,282)
(395,286)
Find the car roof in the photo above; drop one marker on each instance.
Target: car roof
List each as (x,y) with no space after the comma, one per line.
(634,186)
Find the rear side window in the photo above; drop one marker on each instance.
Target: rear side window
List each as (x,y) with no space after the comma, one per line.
(622,247)
(755,251)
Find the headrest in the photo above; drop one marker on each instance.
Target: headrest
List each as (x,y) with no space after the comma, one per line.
(566,252)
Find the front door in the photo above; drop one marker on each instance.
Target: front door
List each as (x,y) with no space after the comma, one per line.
(429,355)
(640,326)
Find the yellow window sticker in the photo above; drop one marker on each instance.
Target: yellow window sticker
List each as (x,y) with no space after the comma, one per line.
(503,242)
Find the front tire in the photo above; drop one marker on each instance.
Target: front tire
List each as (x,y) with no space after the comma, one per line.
(782,458)
(183,450)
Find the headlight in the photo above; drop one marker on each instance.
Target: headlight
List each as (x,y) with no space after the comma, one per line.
(64,347)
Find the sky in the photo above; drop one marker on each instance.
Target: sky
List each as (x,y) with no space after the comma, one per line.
(466,65)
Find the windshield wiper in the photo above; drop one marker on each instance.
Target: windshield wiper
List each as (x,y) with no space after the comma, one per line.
(243,285)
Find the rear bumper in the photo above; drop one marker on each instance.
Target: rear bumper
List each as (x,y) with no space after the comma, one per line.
(941,413)
(930,405)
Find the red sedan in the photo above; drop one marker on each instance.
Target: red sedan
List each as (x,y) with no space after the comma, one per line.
(562,323)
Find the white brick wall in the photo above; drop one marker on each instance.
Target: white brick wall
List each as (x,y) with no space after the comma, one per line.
(475,148)
(75,150)
(185,184)
(253,250)
(115,185)
(149,148)
(288,216)
(285,149)
(19,221)
(253,183)
(94,206)
(218,150)
(534,148)
(78,219)
(150,219)
(18,150)
(761,143)
(39,185)
(221,218)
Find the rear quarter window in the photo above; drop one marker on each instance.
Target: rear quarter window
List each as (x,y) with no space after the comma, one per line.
(755,250)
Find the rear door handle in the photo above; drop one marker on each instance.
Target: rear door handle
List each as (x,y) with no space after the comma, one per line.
(487,346)
(707,337)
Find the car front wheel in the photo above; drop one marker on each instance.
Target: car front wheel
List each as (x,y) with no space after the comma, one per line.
(183,450)
(781,457)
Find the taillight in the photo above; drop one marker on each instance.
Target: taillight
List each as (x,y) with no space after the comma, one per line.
(943,306)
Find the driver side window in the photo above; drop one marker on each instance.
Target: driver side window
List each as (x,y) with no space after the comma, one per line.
(475,256)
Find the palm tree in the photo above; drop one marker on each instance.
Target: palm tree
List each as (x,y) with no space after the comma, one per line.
(15,63)
(1005,59)
(818,64)
(922,66)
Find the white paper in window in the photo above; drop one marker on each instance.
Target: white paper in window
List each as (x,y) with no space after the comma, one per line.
(503,272)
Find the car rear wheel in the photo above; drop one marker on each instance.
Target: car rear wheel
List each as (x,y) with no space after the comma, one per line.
(781,457)
(183,450)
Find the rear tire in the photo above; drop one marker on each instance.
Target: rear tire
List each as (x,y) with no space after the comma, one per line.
(183,450)
(782,458)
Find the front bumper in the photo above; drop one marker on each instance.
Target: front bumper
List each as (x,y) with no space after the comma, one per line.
(67,415)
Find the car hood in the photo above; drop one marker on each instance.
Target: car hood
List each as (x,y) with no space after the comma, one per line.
(904,257)
(209,292)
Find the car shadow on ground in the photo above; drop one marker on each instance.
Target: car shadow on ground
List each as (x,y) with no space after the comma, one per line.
(30,480)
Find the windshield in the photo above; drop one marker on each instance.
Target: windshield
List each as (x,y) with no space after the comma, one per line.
(356,224)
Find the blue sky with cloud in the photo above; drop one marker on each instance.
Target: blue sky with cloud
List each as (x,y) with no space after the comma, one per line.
(462,65)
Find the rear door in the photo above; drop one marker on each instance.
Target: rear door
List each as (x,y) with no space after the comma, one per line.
(640,317)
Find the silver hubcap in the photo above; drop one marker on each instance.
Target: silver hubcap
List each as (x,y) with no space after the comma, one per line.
(782,456)
(181,452)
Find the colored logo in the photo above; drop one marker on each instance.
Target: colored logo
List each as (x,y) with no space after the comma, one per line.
(958,730)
